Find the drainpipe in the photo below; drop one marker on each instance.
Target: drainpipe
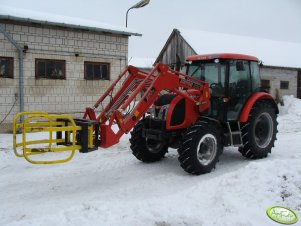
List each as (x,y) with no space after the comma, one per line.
(21,72)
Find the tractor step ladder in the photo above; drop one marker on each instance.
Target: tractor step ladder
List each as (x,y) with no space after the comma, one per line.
(43,134)
(234,136)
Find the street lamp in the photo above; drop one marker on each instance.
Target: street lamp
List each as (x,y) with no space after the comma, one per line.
(140,4)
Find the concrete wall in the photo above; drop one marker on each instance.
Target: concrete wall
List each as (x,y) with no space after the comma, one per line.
(62,96)
(278,74)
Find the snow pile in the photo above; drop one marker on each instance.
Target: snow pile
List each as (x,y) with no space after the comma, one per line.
(291,106)
(111,187)
(290,114)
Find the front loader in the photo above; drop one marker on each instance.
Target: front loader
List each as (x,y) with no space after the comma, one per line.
(218,102)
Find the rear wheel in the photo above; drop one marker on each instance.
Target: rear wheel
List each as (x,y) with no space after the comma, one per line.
(259,132)
(200,148)
(144,149)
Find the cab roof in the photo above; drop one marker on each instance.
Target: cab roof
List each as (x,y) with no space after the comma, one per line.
(233,56)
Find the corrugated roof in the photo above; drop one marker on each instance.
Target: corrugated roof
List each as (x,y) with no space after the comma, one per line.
(40,18)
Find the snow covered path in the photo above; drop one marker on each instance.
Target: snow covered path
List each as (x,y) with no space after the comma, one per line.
(111,187)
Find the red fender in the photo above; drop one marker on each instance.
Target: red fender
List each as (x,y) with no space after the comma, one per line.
(252,100)
(191,110)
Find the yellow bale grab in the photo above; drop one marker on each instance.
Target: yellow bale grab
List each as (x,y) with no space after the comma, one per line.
(43,134)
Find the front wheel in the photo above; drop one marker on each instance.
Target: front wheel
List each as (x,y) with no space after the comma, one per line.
(144,149)
(259,132)
(200,148)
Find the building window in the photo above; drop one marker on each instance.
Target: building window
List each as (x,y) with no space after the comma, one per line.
(6,67)
(51,69)
(265,84)
(97,71)
(284,84)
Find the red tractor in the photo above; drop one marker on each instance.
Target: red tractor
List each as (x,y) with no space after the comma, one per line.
(218,102)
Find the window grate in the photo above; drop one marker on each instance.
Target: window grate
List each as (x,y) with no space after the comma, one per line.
(97,71)
(50,69)
(284,85)
(6,67)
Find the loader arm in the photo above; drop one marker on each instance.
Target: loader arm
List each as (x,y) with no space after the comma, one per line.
(137,94)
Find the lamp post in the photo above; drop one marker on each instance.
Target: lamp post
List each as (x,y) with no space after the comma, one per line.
(140,4)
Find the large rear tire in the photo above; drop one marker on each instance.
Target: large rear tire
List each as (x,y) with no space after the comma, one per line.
(200,148)
(144,149)
(259,132)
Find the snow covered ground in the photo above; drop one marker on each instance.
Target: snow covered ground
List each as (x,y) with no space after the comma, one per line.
(111,187)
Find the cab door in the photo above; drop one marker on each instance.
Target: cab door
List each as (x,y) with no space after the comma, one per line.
(239,87)
(214,73)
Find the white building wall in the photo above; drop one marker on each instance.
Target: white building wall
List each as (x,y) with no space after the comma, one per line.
(61,96)
(276,75)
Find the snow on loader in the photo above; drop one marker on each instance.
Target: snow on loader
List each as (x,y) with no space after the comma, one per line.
(217,103)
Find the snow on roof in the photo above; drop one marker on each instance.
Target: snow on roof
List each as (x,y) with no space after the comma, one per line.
(142,62)
(271,52)
(23,15)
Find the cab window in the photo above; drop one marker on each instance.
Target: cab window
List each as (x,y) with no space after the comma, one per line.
(209,72)
(255,75)
(239,77)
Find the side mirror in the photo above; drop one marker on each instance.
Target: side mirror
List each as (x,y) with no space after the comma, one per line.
(260,63)
(240,66)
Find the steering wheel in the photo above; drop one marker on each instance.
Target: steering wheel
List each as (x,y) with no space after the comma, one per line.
(216,89)
(214,85)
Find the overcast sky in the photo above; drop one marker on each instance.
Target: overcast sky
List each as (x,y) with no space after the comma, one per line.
(270,19)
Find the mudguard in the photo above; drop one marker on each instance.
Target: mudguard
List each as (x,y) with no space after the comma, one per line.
(244,115)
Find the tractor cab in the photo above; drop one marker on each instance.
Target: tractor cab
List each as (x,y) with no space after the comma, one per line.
(232,79)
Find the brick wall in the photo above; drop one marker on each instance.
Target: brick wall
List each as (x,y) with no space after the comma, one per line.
(60,96)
